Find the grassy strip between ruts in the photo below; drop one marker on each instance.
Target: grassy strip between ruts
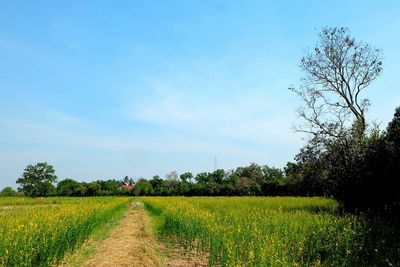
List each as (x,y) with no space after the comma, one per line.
(87,249)
(172,249)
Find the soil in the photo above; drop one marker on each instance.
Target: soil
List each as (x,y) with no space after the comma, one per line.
(132,243)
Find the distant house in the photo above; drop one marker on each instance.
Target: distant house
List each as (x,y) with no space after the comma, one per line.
(129,187)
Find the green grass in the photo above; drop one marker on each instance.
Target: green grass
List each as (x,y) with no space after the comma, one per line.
(283,231)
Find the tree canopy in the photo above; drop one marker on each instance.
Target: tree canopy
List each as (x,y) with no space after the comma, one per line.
(7,192)
(37,181)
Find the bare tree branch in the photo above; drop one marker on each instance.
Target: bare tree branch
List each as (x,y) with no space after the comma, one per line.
(336,71)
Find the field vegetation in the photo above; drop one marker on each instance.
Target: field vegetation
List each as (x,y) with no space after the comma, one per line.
(275,231)
(39,231)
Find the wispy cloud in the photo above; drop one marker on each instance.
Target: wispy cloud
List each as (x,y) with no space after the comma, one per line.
(52,128)
(255,118)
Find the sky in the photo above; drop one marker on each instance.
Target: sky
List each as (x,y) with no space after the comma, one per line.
(105,89)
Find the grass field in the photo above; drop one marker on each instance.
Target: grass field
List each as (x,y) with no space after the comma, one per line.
(280,231)
(39,231)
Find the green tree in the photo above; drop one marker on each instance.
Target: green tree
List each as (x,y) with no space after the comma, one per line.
(218,176)
(393,136)
(8,192)
(143,187)
(80,190)
(37,181)
(391,185)
(272,173)
(157,184)
(93,189)
(250,179)
(186,177)
(244,186)
(109,187)
(185,184)
(254,172)
(203,178)
(67,187)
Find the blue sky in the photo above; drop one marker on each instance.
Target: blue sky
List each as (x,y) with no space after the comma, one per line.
(104,89)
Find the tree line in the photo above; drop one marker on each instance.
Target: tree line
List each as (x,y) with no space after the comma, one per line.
(40,180)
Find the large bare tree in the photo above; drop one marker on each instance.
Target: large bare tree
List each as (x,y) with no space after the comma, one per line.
(337,71)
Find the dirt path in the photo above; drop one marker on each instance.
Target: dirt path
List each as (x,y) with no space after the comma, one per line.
(132,243)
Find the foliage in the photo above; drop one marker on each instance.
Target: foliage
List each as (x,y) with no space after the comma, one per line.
(37,181)
(68,187)
(38,232)
(287,231)
(249,180)
(362,175)
(143,187)
(391,184)
(8,192)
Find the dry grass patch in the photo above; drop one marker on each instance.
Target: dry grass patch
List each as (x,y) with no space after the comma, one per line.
(130,244)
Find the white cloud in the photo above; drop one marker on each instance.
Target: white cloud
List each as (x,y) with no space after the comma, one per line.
(254,118)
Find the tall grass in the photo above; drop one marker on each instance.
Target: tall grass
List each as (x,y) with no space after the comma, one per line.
(38,232)
(282,231)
